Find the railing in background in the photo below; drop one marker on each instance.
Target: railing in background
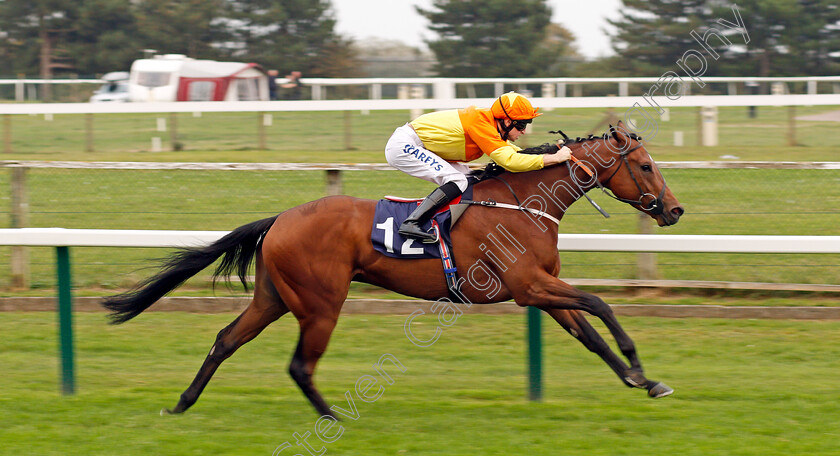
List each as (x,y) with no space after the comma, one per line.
(706,125)
(555,87)
(25,88)
(395,105)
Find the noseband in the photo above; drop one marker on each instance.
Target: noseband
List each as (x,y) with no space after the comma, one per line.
(656,205)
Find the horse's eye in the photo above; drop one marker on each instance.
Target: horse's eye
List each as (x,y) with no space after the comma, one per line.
(646,168)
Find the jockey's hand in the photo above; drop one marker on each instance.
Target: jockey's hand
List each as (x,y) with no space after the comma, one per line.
(558,157)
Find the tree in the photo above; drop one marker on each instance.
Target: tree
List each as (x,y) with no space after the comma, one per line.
(381,58)
(557,52)
(34,31)
(492,38)
(181,27)
(289,35)
(786,37)
(652,35)
(105,37)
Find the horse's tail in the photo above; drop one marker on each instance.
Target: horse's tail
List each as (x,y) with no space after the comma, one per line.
(238,248)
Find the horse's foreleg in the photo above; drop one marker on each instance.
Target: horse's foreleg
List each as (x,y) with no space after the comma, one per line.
(575,324)
(314,336)
(552,293)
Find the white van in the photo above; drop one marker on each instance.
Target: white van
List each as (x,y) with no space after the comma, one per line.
(114,89)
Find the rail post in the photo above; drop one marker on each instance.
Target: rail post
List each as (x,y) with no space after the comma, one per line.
(20,219)
(646,261)
(791,130)
(65,321)
(88,132)
(7,133)
(20,89)
(348,130)
(534,354)
(261,121)
(173,132)
(699,123)
(334,183)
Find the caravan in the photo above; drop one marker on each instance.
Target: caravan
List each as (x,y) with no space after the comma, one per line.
(176,77)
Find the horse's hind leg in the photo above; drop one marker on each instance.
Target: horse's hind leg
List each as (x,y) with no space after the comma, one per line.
(314,336)
(265,308)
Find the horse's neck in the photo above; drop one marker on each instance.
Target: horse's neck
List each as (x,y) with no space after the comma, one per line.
(552,189)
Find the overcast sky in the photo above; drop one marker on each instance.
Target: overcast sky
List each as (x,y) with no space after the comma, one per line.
(396,19)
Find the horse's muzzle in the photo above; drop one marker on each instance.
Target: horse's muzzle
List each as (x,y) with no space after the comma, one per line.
(671,216)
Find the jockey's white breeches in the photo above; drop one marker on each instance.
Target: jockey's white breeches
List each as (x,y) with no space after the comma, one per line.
(405,151)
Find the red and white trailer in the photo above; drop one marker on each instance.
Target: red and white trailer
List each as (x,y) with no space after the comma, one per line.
(176,77)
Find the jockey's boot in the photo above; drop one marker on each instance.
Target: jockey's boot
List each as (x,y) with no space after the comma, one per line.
(439,198)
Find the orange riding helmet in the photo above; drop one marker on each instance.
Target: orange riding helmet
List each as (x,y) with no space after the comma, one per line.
(517,109)
(513,106)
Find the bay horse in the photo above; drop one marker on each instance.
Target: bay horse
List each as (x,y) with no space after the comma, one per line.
(306,257)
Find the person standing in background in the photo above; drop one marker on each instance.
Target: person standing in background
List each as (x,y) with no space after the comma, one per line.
(293,86)
(272,84)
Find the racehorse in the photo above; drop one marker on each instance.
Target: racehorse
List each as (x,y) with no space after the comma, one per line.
(307,256)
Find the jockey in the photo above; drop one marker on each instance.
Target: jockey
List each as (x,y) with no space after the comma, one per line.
(435,146)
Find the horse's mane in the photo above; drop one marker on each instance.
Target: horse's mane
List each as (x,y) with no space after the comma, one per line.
(606,136)
(492,169)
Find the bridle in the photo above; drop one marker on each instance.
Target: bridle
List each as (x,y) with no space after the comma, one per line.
(656,205)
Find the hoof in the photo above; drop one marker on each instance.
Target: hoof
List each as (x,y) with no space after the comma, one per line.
(632,383)
(660,390)
(635,378)
(166,411)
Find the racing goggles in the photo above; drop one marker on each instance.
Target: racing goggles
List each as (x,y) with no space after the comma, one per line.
(521,124)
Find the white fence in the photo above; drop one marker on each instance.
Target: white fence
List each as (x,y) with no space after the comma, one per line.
(60,237)
(392,105)
(447,87)
(732,164)
(642,243)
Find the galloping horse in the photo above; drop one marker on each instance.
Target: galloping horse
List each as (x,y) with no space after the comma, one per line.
(307,256)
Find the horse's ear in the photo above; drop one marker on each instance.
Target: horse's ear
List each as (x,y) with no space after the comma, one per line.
(619,133)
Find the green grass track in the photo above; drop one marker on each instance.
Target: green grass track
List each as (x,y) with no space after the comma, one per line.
(743,387)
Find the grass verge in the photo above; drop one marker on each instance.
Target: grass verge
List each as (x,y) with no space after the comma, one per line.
(742,388)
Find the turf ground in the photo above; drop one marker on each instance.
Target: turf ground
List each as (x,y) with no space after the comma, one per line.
(743,387)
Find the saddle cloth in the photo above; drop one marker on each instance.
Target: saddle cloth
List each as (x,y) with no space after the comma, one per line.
(389,215)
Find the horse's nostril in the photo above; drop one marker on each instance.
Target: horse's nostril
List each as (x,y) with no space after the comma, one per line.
(678,211)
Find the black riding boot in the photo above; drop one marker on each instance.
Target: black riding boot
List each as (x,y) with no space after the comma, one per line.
(436,200)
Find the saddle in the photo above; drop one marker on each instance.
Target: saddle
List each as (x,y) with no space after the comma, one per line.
(390,213)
